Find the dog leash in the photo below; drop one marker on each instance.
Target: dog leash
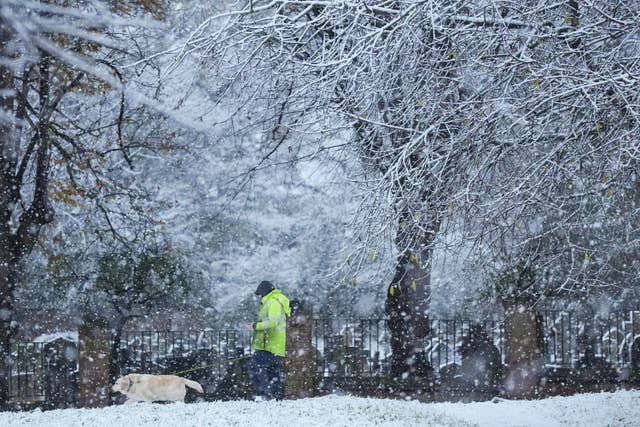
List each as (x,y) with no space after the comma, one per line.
(208,366)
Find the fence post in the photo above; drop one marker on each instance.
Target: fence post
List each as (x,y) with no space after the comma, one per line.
(299,361)
(93,364)
(523,348)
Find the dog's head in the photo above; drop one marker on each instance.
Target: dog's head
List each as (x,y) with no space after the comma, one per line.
(122,384)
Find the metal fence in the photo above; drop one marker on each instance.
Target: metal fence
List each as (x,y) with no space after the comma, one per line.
(48,372)
(200,355)
(44,372)
(362,347)
(26,377)
(568,336)
(144,347)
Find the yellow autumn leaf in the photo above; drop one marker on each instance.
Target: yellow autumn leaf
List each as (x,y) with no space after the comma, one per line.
(609,192)
(414,286)
(586,257)
(414,259)
(372,254)
(536,83)
(599,126)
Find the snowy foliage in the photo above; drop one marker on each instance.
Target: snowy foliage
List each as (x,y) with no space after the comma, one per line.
(311,142)
(512,125)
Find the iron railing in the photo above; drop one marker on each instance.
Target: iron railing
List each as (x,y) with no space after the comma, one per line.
(567,337)
(201,355)
(43,371)
(362,347)
(152,345)
(343,348)
(26,377)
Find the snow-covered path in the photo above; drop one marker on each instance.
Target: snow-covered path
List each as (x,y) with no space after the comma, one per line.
(602,409)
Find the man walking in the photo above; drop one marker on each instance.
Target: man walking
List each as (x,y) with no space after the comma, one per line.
(269,339)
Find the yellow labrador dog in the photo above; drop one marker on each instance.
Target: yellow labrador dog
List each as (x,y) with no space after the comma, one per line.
(150,388)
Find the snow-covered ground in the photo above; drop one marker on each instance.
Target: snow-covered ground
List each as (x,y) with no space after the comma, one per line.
(621,408)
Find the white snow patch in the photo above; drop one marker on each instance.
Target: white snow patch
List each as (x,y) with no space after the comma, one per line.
(598,409)
(67,335)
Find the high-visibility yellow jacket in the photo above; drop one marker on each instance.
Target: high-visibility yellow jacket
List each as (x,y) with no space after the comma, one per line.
(270,331)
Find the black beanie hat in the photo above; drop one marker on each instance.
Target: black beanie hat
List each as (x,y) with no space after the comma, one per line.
(264,288)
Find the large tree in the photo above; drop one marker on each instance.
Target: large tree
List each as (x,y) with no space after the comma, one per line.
(455,108)
(563,195)
(61,118)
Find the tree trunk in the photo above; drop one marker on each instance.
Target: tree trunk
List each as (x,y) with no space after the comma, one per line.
(8,278)
(407,304)
(115,351)
(18,229)
(114,354)
(7,261)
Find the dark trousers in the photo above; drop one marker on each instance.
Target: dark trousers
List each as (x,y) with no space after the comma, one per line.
(265,371)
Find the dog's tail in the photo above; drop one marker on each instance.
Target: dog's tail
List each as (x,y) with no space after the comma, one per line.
(194,385)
